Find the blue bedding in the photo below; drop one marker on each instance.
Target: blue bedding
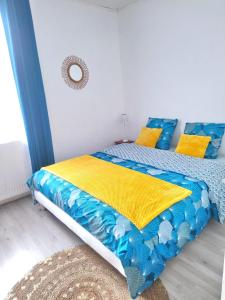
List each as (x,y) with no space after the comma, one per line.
(143,253)
(211,171)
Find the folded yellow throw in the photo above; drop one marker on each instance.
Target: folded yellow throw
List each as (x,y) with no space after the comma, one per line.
(137,196)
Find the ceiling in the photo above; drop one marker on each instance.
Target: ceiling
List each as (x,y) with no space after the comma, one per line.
(113,4)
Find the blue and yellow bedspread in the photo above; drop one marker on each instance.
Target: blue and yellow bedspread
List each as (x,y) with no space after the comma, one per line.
(143,253)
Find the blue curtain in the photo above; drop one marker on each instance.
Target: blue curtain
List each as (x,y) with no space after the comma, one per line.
(18,25)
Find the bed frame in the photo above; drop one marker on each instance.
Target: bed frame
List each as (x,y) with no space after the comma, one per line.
(86,236)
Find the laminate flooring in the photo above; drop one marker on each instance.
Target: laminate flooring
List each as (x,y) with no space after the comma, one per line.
(28,234)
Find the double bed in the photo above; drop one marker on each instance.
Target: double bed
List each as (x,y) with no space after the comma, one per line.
(139,253)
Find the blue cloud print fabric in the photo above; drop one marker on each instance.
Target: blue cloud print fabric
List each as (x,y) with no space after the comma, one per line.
(143,253)
(216,131)
(168,126)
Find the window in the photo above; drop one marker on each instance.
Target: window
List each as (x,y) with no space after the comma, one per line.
(11,123)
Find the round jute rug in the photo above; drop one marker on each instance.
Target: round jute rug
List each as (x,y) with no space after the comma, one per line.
(78,274)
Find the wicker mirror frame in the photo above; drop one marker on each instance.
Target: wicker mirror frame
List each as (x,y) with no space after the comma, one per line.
(67,64)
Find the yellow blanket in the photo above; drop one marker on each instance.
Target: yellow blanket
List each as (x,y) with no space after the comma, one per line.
(137,196)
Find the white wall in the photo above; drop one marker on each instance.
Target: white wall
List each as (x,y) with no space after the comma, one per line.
(86,120)
(173,65)
(173,59)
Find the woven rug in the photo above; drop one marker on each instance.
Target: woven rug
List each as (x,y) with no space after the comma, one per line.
(78,274)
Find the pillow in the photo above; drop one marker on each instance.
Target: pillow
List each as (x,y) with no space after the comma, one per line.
(216,131)
(148,137)
(168,126)
(193,145)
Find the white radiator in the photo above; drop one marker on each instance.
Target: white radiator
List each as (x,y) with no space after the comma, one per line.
(10,192)
(15,168)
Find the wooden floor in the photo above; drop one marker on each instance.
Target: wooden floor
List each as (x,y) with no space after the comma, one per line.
(29,234)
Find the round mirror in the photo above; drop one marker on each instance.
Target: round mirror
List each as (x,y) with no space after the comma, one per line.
(75,73)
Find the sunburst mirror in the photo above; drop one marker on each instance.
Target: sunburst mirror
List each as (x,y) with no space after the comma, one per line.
(75,72)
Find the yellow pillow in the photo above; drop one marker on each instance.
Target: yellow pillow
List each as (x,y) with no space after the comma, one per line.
(193,145)
(148,137)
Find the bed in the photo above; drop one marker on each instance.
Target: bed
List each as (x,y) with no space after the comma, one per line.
(140,254)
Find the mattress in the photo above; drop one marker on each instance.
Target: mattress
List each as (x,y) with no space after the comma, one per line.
(143,253)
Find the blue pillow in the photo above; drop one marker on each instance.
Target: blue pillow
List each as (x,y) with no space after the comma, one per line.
(168,126)
(216,131)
